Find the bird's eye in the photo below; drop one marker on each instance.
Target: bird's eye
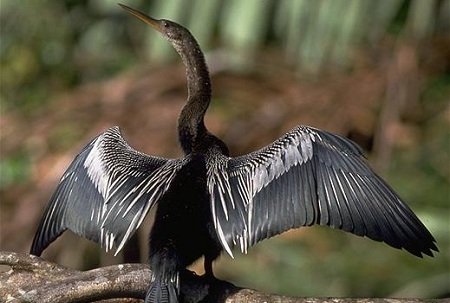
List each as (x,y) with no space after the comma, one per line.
(165,24)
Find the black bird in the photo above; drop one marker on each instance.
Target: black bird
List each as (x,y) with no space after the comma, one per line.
(208,201)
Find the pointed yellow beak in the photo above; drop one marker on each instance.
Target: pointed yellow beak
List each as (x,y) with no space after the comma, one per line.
(147,19)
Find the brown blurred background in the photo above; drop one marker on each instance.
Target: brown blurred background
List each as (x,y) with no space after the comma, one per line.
(375,71)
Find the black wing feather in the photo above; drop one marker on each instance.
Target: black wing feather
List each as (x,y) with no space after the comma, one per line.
(309,177)
(105,193)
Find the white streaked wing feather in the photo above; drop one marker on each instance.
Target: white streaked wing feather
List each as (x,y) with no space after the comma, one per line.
(107,177)
(336,188)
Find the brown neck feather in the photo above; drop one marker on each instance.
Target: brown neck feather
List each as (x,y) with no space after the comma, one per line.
(191,126)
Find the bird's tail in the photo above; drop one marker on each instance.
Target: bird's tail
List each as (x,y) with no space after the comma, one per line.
(162,292)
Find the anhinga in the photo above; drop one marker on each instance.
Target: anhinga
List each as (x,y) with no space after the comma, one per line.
(208,201)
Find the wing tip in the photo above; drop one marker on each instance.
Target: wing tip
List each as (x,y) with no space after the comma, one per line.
(43,238)
(428,248)
(38,246)
(426,252)
(36,251)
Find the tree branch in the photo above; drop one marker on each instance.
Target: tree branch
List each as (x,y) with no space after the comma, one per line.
(32,279)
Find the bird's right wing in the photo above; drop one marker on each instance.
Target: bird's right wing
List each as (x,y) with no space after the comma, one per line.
(105,193)
(308,177)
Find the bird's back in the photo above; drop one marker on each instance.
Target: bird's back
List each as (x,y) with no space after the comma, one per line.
(183,218)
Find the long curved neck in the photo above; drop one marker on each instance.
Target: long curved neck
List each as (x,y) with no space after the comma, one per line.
(191,126)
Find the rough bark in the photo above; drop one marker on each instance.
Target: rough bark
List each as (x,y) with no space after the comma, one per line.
(27,278)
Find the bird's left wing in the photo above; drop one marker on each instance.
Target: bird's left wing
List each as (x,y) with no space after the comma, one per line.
(307,177)
(105,193)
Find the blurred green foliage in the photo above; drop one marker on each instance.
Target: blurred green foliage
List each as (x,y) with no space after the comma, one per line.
(49,47)
(14,169)
(39,38)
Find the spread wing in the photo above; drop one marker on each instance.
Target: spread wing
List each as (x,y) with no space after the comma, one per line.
(105,193)
(308,177)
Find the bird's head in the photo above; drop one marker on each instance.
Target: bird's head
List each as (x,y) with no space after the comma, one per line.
(172,31)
